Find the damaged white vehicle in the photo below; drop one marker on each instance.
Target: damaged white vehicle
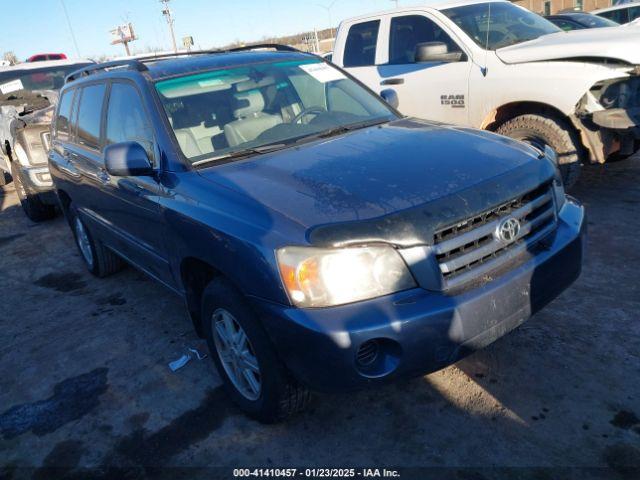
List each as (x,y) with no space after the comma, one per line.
(28,96)
(497,66)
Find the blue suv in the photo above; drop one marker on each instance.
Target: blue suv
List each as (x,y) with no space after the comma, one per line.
(320,240)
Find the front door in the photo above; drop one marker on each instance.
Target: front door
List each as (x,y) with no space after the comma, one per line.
(132,206)
(431,90)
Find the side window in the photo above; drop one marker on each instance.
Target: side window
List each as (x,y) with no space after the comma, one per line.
(634,12)
(63,119)
(126,118)
(90,114)
(360,48)
(566,25)
(409,31)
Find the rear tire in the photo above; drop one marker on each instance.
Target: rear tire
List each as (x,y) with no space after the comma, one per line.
(33,207)
(98,259)
(279,395)
(539,131)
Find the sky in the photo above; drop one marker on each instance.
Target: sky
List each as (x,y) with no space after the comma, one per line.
(38,26)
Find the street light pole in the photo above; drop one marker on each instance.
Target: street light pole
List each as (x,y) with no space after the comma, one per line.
(167,13)
(328,9)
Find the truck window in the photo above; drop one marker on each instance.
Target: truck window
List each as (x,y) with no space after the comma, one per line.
(620,16)
(360,48)
(89,115)
(634,12)
(126,118)
(63,119)
(410,30)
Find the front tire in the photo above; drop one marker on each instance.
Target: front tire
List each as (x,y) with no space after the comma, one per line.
(254,377)
(34,208)
(98,259)
(539,131)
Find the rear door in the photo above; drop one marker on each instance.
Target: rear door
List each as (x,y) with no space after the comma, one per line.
(360,51)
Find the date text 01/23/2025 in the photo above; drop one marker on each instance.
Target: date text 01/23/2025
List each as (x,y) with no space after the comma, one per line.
(315,473)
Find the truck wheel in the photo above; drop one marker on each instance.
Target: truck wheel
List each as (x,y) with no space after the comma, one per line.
(33,207)
(540,131)
(254,377)
(98,259)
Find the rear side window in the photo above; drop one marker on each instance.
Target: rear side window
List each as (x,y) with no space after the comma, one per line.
(634,12)
(89,115)
(409,31)
(360,48)
(126,118)
(63,119)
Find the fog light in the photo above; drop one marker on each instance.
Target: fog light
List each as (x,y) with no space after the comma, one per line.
(367,353)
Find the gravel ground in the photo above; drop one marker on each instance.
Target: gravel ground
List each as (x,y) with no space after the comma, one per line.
(84,381)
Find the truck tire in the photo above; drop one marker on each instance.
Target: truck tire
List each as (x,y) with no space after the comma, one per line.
(539,131)
(242,351)
(98,259)
(33,207)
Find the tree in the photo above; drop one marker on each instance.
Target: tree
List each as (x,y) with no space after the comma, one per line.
(10,57)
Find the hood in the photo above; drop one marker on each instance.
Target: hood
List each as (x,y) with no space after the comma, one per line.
(375,172)
(613,43)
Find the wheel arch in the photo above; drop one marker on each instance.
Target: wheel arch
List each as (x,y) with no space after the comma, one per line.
(508,111)
(195,275)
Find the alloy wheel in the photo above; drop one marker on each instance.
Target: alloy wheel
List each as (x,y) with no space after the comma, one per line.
(236,354)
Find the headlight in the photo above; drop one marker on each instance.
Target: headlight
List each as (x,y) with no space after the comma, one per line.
(319,277)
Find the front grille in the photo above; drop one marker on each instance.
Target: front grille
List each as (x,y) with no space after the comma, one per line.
(471,249)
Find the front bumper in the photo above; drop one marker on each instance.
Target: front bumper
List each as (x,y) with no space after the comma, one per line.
(420,331)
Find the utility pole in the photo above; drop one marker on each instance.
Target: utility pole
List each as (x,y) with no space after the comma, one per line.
(73,36)
(328,9)
(167,14)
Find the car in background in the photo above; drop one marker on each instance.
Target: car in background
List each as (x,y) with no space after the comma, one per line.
(28,96)
(43,57)
(320,240)
(622,14)
(518,75)
(568,21)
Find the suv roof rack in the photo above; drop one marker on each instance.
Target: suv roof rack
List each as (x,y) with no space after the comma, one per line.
(138,63)
(88,70)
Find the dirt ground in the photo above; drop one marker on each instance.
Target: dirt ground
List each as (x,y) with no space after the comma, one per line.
(84,381)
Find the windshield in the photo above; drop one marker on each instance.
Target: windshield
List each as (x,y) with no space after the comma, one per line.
(222,112)
(47,78)
(507,24)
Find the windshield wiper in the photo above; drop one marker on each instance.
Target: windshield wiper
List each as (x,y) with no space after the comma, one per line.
(340,129)
(245,152)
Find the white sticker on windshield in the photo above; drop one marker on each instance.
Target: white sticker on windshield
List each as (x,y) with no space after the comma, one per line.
(323,72)
(12,86)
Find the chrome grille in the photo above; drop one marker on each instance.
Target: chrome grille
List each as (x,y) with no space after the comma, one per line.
(471,249)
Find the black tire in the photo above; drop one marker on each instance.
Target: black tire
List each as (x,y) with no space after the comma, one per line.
(280,395)
(542,130)
(33,207)
(102,262)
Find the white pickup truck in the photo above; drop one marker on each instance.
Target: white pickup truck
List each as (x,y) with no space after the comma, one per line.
(496,66)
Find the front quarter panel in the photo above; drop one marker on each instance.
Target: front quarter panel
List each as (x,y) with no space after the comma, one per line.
(231,232)
(558,84)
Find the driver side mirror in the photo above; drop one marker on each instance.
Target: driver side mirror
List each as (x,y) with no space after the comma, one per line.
(391,97)
(435,52)
(127,159)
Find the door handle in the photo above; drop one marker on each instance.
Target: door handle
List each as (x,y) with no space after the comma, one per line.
(392,81)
